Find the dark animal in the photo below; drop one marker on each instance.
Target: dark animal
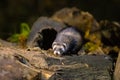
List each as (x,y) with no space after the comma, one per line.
(67,40)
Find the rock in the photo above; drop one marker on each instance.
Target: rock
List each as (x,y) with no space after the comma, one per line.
(77,18)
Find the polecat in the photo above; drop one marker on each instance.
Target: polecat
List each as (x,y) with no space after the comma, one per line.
(67,40)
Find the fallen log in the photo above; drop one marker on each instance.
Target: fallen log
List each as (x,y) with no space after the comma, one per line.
(19,64)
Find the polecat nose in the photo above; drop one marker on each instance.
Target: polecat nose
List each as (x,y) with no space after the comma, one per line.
(57,53)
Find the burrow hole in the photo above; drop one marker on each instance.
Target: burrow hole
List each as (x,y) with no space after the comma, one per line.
(48,37)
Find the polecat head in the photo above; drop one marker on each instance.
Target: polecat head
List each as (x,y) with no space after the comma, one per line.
(58,48)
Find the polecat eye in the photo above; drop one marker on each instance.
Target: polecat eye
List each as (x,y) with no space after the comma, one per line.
(64,45)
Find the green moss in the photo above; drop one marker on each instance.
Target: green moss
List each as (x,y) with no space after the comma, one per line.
(89,46)
(22,36)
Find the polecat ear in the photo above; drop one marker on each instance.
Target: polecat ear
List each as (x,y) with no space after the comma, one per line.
(54,43)
(54,47)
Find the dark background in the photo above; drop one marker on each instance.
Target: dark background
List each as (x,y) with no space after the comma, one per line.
(14,12)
